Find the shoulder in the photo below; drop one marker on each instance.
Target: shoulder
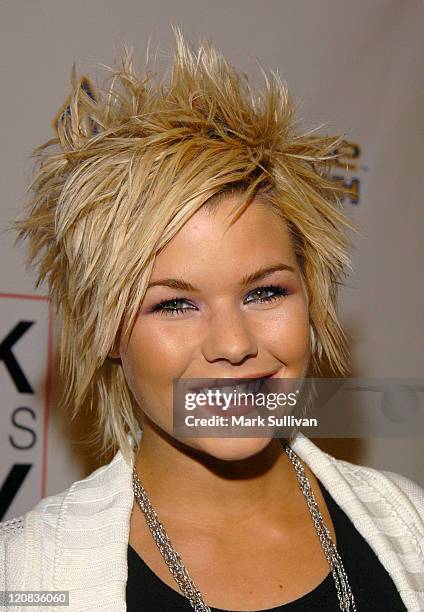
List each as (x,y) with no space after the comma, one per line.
(386,483)
(380,496)
(383,490)
(13,530)
(14,536)
(37,533)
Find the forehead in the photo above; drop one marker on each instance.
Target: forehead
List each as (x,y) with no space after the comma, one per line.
(209,244)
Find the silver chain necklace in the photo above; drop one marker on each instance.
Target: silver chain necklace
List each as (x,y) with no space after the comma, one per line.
(181,575)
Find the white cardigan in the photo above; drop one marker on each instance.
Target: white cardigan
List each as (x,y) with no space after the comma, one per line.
(77,540)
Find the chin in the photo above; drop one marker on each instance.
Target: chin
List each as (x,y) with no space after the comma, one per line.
(230,449)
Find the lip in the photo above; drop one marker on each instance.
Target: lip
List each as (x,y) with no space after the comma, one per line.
(225,381)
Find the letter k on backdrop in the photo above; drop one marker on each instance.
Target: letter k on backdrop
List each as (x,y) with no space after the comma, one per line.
(25,375)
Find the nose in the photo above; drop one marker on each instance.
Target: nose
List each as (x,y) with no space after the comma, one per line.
(229,338)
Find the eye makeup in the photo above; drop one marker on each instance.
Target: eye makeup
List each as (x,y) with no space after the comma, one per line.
(169,307)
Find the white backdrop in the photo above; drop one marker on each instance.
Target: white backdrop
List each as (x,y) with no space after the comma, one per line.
(355,65)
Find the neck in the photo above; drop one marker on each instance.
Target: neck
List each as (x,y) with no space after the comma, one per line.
(194,487)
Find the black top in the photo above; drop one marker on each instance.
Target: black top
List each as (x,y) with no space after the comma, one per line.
(371,585)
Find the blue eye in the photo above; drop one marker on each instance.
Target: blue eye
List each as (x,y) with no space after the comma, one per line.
(171,308)
(278,292)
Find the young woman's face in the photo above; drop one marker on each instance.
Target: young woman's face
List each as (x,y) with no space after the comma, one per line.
(218,326)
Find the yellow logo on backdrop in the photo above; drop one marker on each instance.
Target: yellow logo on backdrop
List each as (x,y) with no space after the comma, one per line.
(345,169)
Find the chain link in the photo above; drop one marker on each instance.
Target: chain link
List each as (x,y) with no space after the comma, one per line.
(168,552)
(181,575)
(344,592)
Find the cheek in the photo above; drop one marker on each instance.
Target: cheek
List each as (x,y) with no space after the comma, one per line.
(288,331)
(155,355)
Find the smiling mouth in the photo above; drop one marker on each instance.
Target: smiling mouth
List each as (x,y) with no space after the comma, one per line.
(248,385)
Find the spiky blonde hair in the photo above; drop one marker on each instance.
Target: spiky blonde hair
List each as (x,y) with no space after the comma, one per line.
(129,166)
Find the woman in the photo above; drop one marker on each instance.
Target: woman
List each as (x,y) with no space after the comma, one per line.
(187,231)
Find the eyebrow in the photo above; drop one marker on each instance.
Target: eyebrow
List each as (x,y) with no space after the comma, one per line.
(179,283)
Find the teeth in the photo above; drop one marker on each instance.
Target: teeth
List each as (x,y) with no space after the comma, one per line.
(252,387)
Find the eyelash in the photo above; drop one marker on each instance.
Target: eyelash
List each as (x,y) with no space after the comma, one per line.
(161,309)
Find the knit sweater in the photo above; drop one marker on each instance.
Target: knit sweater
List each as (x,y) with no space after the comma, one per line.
(77,540)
